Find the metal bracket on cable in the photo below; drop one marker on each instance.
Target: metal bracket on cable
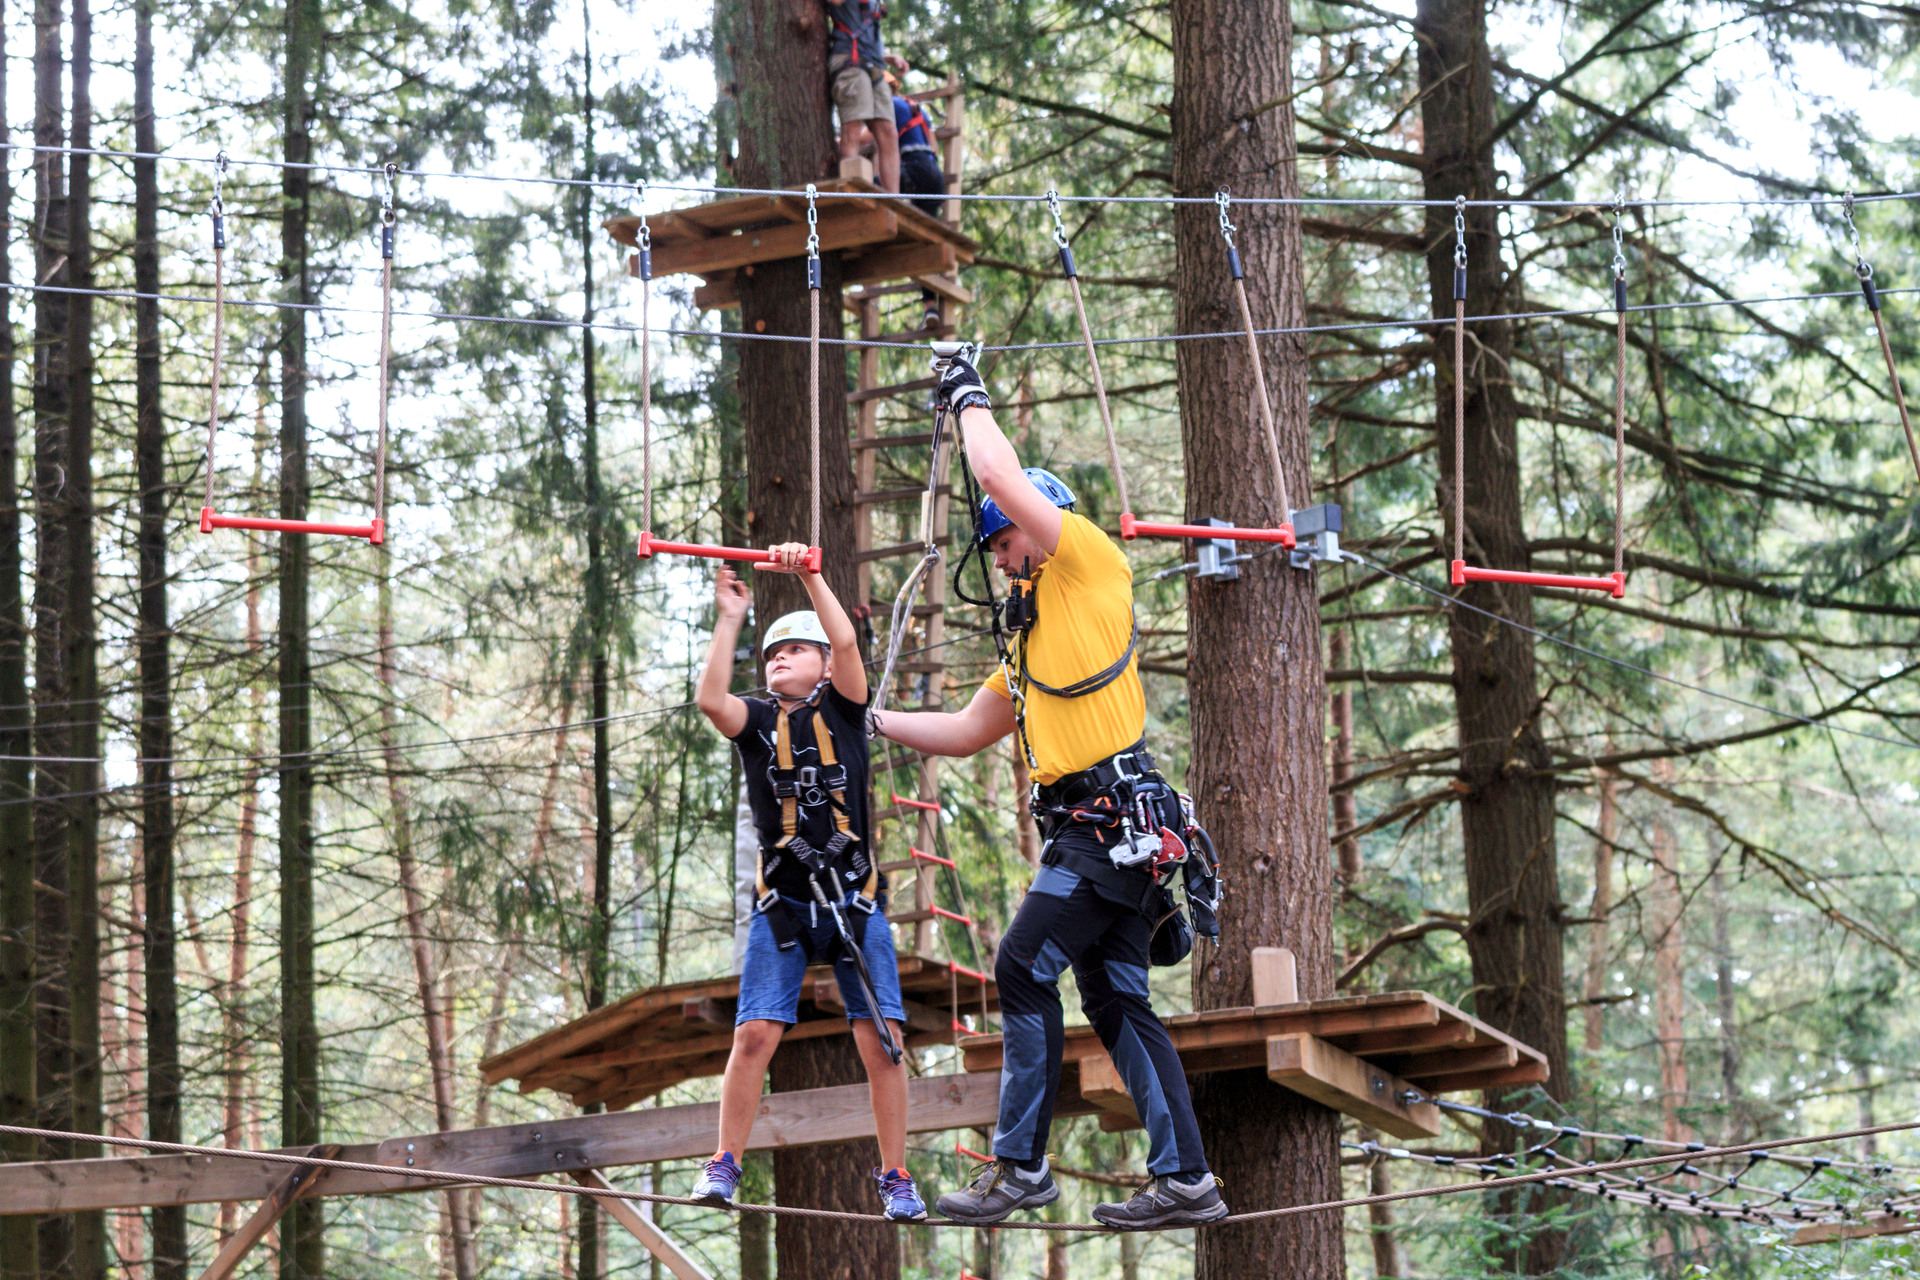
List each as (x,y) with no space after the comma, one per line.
(1316,532)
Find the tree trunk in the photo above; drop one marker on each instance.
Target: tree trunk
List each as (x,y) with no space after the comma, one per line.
(236,1060)
(1669,971)
(827,1177)
(779,80)
(156,675)
(19,1090)
(302,1229)
(78,635)
(1507,816)
(1255,676)
(52,698)
(435,1019)
(1728,1009)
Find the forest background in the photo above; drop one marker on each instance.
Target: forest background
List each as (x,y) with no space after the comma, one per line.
(459,773)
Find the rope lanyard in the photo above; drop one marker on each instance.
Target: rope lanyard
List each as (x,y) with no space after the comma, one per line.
(1086,336)
(388,219)
(813,355)
(218,211)
(1863,270)
(1285,514)
(1459,379)
(643,264)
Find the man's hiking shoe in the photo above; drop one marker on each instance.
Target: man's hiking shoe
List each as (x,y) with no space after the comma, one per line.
(998,1188)
(900,1196)
(1166,1202)
(718,1181)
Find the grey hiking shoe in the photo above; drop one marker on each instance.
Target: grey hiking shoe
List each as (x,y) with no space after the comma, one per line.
(1164,1202)
(998,1188)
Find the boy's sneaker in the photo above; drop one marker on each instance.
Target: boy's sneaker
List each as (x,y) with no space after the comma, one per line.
(1166,1202)
(998,1188)
(901,1197)
(718,1181)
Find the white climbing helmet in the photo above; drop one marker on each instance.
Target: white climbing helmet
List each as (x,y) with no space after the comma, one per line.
(802,627)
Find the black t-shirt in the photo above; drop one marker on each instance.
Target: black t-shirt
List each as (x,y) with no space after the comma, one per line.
(846,721)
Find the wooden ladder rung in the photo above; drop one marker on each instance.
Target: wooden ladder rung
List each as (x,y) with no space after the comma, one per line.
(900,549)
(893,389)
(907,494)
(893,442)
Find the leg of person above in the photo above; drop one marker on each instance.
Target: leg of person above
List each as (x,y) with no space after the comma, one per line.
(770,979)
(886,142)
(1060,916)
(853,135)
(886,1079)
(1112,977)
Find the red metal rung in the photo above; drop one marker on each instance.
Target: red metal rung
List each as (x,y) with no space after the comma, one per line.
(1131,529)
(1614,584)
(960,1149)
(928,805)
(975,974)
(374,531)
(952,915)
(651,546)
(924,856)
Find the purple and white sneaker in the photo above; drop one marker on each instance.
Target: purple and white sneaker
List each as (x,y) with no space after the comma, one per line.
(718,1181)
(901,1197)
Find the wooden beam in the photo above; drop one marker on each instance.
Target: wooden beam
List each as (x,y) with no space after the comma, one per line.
(1526,1071)
(295,1187)
(1405,1039)
(658,1243)
(801,1118)
(947,287)
(1827,1232)
(898,262)
(1437,1064)
(838,230)
(600,1024)
(1276,978)
(1335,1078)
(1101,1084)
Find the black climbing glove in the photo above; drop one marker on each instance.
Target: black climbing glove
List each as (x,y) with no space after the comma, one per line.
(961,387)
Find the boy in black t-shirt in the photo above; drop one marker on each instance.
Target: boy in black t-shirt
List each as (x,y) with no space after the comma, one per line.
(803,753)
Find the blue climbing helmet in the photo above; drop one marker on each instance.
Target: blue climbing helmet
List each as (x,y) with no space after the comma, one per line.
(993,519)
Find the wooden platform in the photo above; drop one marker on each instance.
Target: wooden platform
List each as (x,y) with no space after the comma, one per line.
(877,240)
(631,1050)
(1356,1054)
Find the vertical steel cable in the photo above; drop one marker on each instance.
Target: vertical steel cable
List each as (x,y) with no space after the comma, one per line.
(1093,358)
(1863,271)
(1619,392)
(1253,352)
(219,211)
(1459,378)
(645,265)
(387,220)
(813,355)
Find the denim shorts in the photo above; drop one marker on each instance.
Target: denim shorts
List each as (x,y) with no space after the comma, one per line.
(770,978)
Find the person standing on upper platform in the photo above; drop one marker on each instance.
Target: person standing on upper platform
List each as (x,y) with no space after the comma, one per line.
(857,62)
(1095,902)
(921,175)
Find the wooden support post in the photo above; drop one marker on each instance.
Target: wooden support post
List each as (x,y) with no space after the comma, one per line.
(251,1232)
(1827,1232)
(1352,1086)
(1275,979)
(627,1214)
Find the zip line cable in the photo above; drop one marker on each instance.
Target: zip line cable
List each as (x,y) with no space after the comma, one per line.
(982,197)
(1455,602)
(400,1172)
(713,335)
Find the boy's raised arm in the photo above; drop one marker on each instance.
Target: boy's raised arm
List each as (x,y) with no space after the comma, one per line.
(730,600)
(849,674)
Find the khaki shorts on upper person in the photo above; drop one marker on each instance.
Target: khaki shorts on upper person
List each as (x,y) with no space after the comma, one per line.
(860,91)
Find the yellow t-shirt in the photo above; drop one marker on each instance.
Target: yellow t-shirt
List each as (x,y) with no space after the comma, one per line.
(1083,598)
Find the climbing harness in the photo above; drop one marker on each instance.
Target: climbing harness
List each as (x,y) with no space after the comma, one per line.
(1153,829)
(375,530)
(1615,583)
(799,788)
(1863,271)
(651,546)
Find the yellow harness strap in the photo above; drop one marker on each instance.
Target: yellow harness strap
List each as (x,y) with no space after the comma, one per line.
(790,804)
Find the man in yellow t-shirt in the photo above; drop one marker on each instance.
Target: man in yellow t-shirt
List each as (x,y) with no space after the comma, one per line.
(1069,689)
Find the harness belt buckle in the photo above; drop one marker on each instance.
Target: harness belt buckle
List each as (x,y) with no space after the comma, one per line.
(809,776)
